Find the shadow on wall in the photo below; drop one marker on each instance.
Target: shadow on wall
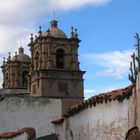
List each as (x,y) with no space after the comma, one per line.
(133,134)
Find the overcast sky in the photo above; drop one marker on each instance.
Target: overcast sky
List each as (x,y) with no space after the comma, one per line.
(106,29)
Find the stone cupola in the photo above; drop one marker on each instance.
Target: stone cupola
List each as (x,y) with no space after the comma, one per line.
(16,70)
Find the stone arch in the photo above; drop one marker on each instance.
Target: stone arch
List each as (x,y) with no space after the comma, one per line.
(133,134)
(60,47)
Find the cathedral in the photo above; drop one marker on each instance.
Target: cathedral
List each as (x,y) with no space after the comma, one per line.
(43,95)
(51,71)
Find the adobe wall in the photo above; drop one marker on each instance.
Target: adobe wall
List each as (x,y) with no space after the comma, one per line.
(17,112)
(138,101)
(109,121)
(23,136)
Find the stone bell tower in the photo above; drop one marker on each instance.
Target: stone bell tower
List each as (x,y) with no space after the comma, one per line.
(55,68)
(16,71)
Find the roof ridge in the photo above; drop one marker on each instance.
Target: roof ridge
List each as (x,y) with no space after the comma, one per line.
(118,95)
(29,130)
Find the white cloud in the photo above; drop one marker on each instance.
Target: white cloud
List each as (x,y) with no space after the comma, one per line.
(25,11)
(97,91)
(17,18)
(108,89)
(11,36)
(92,92)
(89,91)
(68,5)
(115,64)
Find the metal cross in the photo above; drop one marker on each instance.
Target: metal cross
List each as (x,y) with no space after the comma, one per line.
(54,14)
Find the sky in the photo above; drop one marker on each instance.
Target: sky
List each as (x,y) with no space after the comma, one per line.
(106,29)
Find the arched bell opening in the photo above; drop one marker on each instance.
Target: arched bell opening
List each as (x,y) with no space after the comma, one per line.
(60,56)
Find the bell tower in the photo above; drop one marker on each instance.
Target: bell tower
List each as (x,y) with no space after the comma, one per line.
(16,71)
(55,68)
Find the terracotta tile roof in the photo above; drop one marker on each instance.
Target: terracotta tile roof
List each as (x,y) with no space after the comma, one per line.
(30,131)
(118,95)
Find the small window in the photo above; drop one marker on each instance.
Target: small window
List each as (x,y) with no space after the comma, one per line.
(60,58)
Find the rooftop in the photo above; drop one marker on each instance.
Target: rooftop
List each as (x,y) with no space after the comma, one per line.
(30,131)
(115,95)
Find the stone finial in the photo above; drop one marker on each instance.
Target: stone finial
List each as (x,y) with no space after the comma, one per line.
(16,55)
(40,31)
(32,39)
(4,61)
(21,50)
(76,34)
(9,57)
(72,29)
(53,24)
(72,32)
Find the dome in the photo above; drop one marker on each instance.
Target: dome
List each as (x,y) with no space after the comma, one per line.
(54,31)
(21,57)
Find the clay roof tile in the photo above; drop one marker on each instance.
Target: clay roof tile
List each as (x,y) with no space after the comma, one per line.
(119,95)
(30,131)
(58,121)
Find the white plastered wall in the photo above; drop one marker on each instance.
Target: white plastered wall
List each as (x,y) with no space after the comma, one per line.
(37,112)
(109,121)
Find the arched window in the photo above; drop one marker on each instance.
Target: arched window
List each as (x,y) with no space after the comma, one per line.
(37,60)
(60,58)
(25,75)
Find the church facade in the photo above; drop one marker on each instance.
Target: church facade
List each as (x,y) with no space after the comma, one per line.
(41,87)
(51,71)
